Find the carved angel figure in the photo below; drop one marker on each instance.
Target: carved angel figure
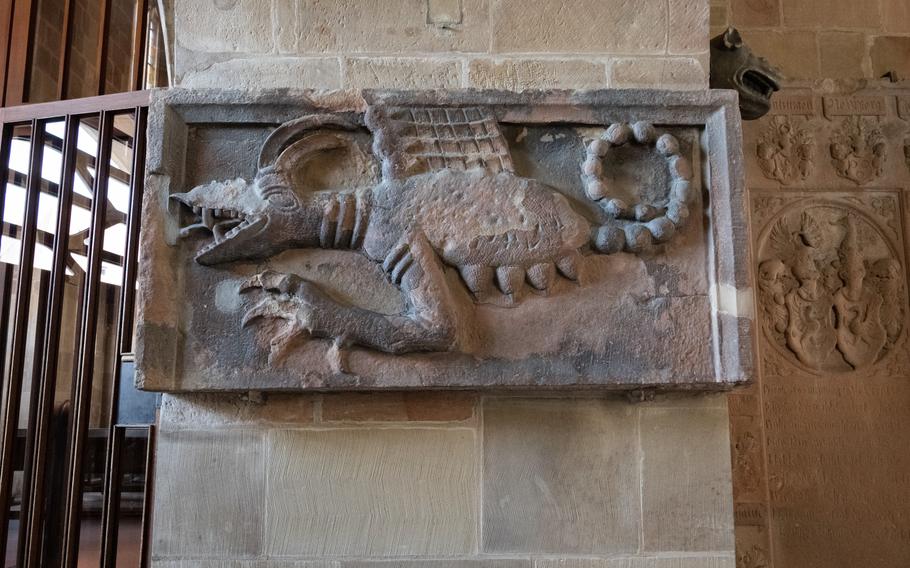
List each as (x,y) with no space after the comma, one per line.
(449,196)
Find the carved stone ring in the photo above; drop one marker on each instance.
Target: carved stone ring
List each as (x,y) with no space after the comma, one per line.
(635,227)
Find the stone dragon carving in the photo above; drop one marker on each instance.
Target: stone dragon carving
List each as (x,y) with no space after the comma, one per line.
(734,66)
(449,196)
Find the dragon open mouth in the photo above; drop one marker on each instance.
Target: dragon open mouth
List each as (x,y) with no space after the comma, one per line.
(760,84)
(225,225)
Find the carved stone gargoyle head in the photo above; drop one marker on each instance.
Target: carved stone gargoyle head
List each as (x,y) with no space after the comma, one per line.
(734,66)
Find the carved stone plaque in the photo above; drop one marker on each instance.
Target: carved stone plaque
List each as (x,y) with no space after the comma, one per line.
(377,240)
(821,450)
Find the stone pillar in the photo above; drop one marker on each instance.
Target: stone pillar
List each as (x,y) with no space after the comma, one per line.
(446,479)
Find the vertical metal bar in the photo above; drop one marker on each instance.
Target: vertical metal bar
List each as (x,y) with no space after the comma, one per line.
(31,525)
(9,414)
(110,513)
(148,495)
(34,393)
(82,386)
(111,518)
(6,271)
(104,18)
(140,27)
(130,261)
(66,40)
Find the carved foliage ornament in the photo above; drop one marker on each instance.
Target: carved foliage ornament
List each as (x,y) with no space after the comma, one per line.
(449,196)
(830,289)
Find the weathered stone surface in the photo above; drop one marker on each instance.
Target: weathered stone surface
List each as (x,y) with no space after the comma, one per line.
(276,72)
(896,16)
(755,13)
(444,12)
(521,74)
(795,53)
(819,472)
(891,54)
(708,561)
(223,472)
(197,563)
(587,26)
(560,476)
(223,26)
(472,563)
(402,73)
(388,26)
(686,503)
(449,406)
(641,73)
(688,24)
(216,410)
(842,54)
(831,14)
(384,492)
(446,289)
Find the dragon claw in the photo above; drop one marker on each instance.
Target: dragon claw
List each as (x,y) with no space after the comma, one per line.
(290,298)
(268,308)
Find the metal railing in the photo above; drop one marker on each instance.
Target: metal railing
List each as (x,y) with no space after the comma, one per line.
(79,292)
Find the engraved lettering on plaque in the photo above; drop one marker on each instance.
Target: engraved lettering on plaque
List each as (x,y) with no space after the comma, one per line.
(903,106)
(854,105)
(790,104)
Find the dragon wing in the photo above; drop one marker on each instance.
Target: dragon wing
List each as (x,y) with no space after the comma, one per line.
(415,140)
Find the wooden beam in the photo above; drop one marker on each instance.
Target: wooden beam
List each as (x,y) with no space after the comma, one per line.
(19,57)
(104,17)
(140,28)
(6,32)
(66,41)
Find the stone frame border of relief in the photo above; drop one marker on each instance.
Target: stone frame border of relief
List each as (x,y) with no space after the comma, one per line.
(714,113)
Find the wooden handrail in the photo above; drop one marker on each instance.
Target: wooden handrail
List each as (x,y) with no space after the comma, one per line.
(87,105)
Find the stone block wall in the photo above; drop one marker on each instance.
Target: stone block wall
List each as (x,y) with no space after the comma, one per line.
(501,44)
(443,479)
(817,39)
(446,480)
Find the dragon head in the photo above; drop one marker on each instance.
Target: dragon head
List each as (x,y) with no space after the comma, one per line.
(247,220)
(277,211)
(734,66)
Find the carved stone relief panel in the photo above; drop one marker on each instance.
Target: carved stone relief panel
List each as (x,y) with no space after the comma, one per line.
(830,282)
(465,239)
(820,442)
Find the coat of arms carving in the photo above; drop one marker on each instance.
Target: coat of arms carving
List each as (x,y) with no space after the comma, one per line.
(858,150)
(830,288)
(785,150)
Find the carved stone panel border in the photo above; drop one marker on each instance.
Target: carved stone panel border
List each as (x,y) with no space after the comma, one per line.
(444,239)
